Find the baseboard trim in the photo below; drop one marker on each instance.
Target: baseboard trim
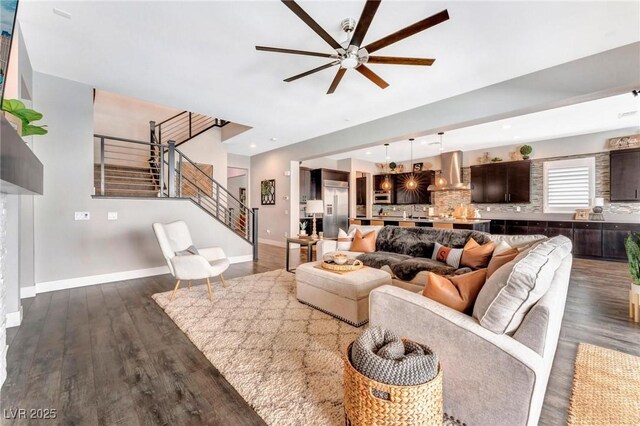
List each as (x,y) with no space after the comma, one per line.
(27,292)
(65,284)
(272,242)
(14,319)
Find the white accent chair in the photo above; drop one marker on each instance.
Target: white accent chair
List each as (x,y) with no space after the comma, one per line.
(209,262)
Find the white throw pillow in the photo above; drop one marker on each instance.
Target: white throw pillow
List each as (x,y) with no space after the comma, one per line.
(345,240)
(501,247)
(447,255)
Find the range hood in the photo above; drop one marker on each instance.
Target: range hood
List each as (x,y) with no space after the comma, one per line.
(452,172)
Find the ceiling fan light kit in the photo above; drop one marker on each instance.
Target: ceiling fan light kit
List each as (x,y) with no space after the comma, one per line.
(351,54)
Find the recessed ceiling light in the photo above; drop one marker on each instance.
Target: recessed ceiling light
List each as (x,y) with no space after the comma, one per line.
(423,142)
(506,126)
(517,137)
(368,153)
(253,145)
(347,119)
(274,139)
(388,158)
(62,13)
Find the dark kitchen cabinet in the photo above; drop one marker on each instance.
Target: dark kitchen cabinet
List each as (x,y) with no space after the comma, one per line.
(625,175)
(361,191)
(536,227)
(516,227)
(501,182)
(305,185)
(587,239)
(559,228)
(518,182)
(613,236)
(497,227)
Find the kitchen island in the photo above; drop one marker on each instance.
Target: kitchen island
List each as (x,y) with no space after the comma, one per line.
(431,222)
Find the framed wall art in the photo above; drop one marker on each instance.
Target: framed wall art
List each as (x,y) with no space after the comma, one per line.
(268,192)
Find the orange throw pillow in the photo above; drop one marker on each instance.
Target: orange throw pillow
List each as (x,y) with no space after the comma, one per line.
(364,244)
(476,256)
(458,292)
(500,259)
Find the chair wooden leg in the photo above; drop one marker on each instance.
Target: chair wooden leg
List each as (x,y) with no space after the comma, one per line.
(224,283)
(209,287)
(173,295)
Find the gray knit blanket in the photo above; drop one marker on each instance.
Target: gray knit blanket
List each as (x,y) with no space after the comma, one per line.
(382,356)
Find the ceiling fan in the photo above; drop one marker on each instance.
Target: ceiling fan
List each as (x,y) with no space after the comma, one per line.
(351,54)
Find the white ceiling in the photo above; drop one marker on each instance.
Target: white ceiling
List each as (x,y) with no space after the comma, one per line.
(587,117)
(200,56)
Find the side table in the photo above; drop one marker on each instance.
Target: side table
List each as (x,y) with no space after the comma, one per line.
(309,242)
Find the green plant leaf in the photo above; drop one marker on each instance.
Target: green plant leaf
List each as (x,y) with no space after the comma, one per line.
(28,114)
(632,246)
(12,105)
(29,130)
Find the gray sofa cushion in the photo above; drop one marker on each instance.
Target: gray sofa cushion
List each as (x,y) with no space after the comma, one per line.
(408,269)
(513,289)
(379,259)
(419,241)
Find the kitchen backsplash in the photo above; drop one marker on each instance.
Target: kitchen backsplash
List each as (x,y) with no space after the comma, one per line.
(443,201)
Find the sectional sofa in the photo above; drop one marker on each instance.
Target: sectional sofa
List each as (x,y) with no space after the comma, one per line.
(496,362)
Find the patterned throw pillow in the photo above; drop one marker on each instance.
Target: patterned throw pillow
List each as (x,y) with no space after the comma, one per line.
(188,251)
(447,255)
(344,239)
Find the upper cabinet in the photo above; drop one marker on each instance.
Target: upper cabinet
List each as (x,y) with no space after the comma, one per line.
(625,175)
(501,182)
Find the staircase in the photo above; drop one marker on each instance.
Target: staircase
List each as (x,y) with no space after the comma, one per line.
(136,169)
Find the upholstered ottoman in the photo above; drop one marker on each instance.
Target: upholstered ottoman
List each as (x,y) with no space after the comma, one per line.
(344,296)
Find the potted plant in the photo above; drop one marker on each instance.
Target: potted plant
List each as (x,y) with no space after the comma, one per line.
(25,116)
(526,150)
(303,228)
(632,247)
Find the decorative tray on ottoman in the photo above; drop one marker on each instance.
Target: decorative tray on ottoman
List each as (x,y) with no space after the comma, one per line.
(348,266)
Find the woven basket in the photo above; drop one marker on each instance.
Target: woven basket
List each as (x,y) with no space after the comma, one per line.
(407,405)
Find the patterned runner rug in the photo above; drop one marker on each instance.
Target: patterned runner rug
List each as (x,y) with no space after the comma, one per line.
(606,388)
(284,358)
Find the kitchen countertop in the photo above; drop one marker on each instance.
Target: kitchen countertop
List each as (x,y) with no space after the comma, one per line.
(561,217)
(422,220)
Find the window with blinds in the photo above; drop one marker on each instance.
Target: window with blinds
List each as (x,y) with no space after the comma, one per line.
(569,184)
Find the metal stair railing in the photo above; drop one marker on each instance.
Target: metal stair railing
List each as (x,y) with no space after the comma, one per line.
(153,169)
(184,126)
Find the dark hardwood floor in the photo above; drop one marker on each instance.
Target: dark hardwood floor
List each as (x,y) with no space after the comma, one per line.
(107,354)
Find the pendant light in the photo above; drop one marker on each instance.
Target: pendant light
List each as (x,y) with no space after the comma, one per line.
(411,184)
(441,182)
(386,183)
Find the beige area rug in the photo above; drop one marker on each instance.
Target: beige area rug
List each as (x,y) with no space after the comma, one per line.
(284,358)
(606,388)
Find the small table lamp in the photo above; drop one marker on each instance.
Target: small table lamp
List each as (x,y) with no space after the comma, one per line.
(597,209)
(313,207)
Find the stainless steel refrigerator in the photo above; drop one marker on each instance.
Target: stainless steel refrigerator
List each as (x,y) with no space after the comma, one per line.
(335,195)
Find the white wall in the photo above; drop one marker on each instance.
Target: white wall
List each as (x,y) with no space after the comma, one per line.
(71,250)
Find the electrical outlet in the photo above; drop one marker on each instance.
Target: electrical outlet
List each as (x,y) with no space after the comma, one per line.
(269,231)
(518,208)
(488,209)
(112,216)
(82,216)
(286,212)
(286,234)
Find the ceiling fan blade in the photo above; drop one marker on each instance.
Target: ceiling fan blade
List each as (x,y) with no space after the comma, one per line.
(295,8)
(306,73)
(295,52)
(369,11)
(395,60)
(336,80)
(408,31)
(362,69)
